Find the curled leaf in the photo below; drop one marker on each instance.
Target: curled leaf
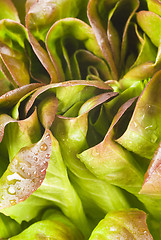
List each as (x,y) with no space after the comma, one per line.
(10,98)
(25,173)
(12,49)
(110,162)
(8,10)
(130,224)
(69,35)
(143,133)
(152,181)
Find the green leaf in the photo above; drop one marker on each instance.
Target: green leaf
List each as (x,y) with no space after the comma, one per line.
(69,32)
(110,162)
(118,31)
(154,6)
(55,215)
(129,224)
(8,226)
(47,110)
(43,14)
(80,90)
(143,133)
(71,134)
(27,131)
(113,106)
(28,209)
(84,64)
(152,182)
(51,230)
(39,19)
(151,25)
(96,19)
(5,85)
(10,98)
(12,48)
(25,173)
(8,10)
(57,188)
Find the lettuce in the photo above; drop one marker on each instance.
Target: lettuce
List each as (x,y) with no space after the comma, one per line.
(80,116)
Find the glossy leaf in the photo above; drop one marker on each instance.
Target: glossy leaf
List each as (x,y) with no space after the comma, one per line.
(25,173)
(76,92)
(143,133)
(63,34)
(154,6)
(57,188)
(113,106)
(40,17)
(42,58)
(10,98)
(28,131)
(28,209)
(110,162)
(8,10)
(49,229)
(146,64)
(152,181)
(126,225)
(125,11)
(71,134)
(150,23)
(47,110)
(100,33)
(12,50)
(86,65)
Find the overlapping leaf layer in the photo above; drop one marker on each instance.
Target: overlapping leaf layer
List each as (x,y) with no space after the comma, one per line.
(80,110)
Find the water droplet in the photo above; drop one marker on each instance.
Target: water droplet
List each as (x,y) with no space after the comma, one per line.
(43,147)
(29,174)
(135,124)
(35,158)
(11,190)
(47,156)
(15,177)
(2,197)
(112,229)
(47,135)
(13,201)
(22,168)
(43,170)
(18,188)
(36,153)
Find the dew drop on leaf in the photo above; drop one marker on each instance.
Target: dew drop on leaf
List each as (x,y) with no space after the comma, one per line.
(43,147)
(13,202)
(47,135)
(47,156)
(36,159)
(11,190)
(14,177)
